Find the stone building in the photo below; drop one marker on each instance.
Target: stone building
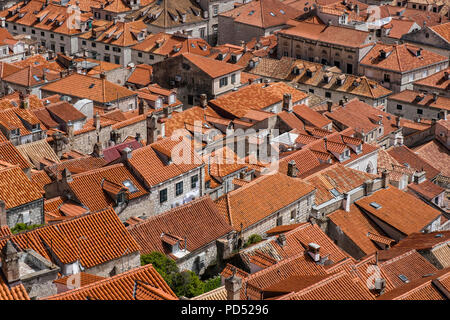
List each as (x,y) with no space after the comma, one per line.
(432,38)
(75,246)
(193,75)
(170,170)
(30,269)
(255,19)
(258,206)
(415,105)
(21,201)
(176,234)
(396,67)
(326,44)
(113,43)
(161,46)
(102,92)
(38,19)
(438,82)
(172,16)
(324,81)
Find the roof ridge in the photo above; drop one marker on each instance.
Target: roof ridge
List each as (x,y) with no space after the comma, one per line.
(98,169)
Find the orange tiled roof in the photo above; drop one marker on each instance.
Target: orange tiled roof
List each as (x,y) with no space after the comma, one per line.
(427,189)
(260,198)
(422,288)
(337,177)
(443,30)
(182,222)
(211,67)
(435,153)
(256,96)
(87,186)
(143,283)
(424,241)
(400,210)
(17,292)
(141,75)
(164,44)
(153,169)
(436,80)
(84,279)
(329,34)
(400,58)
(407,157)
(10,154)
(76,239)
(16,189)
(81,86)
(426,100)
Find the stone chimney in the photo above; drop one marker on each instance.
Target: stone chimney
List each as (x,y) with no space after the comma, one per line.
(70,129)
(346,202)
(233,286)
(97,121)
(314,251)
(98,150)
(126,153)
(292,169)
(287,102)
(203,100)
(282,239)
(3,221)
(10,263)
(368,187)
(329,105)
(143,107)
(66,175)
(397,121)
(419,177)
(385,179)
(380,285)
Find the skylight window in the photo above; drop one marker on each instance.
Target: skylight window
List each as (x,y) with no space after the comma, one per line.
(335,193)
(282,11)
(36,78)
(403,278)
(375,205)
(251,12)
(91,85)
(272,14)
(131,187)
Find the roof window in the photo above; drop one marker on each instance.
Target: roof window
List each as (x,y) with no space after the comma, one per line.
(131,187)
(375,205)
(403,278)
(335,193)
(251,12)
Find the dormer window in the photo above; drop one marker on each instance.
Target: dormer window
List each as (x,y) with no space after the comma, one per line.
(36,127)
(15,132)
(131,187)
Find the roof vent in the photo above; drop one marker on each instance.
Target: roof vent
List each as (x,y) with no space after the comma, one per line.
(375,205)
(439,235)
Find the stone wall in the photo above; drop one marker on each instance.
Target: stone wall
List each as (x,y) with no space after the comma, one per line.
(122,264)
(35,210)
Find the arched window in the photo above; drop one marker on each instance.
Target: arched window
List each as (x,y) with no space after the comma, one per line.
(369,168)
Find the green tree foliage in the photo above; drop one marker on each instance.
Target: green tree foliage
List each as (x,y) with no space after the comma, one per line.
(254,238)
(185,283)
(24,227)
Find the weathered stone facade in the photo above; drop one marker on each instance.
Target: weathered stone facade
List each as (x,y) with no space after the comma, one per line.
(30,213)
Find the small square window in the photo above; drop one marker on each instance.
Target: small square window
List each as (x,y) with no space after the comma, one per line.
(399,107)
(194,181)
(419,111)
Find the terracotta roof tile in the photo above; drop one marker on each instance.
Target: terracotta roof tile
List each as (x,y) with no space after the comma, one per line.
(263,13)
(153,169)
(424,241)
(16,189)
(399,209)
(436,80)
(437,154)
(426,189)
(143,283)
(81,86)
(84,279)
(37,151)
(182,222)
(10,154)
(427,100)
(17,292)
(259,198)
(211,67)
(400,58)
(76,239)
(87,186)
(407,157)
